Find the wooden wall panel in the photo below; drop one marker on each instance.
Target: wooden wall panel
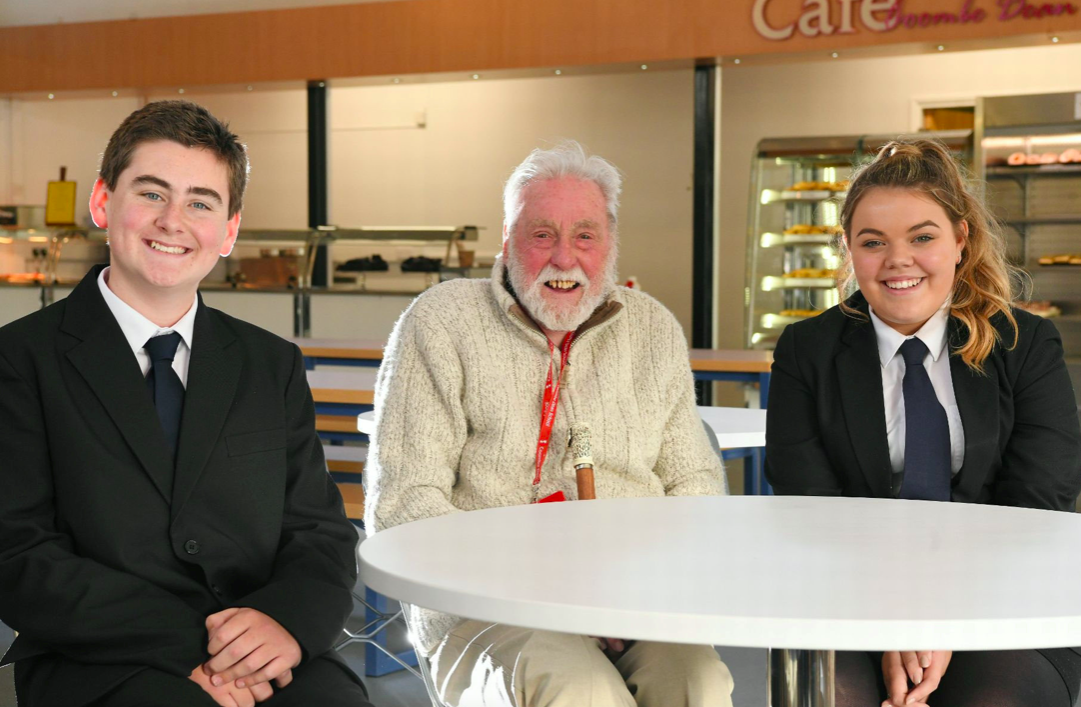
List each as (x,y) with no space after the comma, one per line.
(422,36)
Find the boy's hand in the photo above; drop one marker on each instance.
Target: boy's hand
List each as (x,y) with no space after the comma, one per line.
(229,695)
(250,648)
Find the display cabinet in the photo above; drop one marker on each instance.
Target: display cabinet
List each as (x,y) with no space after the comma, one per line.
(798,186)
(1030,158)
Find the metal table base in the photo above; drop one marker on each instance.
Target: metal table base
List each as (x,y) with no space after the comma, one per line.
(800,678)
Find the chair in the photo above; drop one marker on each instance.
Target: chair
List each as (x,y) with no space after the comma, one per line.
(7,686)
(346,467)
(373,635)
(379,659)
(422,662)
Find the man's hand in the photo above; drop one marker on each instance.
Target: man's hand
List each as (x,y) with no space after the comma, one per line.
(924,669)
(250,648)
(229,695)
(612,647)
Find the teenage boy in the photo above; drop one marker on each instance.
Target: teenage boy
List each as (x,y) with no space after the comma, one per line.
(168,532)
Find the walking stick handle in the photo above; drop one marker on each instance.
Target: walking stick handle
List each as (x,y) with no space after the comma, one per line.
(581,445)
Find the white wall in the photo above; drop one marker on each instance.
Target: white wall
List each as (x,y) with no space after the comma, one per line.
(852,97)
(384,170)
(44,135)
(38,135)
(273,123)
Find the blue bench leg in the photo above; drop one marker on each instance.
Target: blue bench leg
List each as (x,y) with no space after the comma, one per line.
(376,662)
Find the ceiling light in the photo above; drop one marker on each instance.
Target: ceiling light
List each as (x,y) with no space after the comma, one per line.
(180,90)
(250,88)
(1054,40)
(735,61)
(116,93)
(396,80)
(645,66)
(835,55)
(941,48)
(558,72)
(52,96)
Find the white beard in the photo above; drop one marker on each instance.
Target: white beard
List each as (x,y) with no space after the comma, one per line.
(548,315)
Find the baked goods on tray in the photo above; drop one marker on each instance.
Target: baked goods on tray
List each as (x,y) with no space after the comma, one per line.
(1061,259)
(1041,308)
(819,186)
(806,229)
(809,272)
(1021,159)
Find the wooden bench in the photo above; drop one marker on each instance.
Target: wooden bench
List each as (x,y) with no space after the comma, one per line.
(353,496)
(339,396)
(345,460)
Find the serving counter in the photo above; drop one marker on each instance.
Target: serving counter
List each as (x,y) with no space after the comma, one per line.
(268,281)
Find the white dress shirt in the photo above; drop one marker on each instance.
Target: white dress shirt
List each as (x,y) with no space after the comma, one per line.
(937,363)
(138,330)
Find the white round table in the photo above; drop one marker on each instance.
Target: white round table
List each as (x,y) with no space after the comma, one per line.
(797,572)
(734,427)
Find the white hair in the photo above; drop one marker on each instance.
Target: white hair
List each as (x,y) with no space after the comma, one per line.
(567,159)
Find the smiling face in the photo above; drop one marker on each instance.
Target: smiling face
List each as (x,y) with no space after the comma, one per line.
(168,223)
(561,256)
(904,254)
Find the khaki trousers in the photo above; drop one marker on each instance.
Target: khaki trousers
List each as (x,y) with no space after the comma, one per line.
(481,664)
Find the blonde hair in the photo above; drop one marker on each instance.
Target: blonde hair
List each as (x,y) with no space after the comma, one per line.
(983,283)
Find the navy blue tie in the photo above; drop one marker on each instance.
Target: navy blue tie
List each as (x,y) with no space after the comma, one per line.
(165,387)
(927,431)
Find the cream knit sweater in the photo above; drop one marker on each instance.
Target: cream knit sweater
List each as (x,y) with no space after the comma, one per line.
(458,401)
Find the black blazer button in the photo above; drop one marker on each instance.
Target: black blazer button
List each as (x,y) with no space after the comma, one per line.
(191,547)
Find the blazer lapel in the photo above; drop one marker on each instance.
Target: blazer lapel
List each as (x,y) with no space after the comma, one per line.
(858,369)
(105,361)
(978,406)
(212,381)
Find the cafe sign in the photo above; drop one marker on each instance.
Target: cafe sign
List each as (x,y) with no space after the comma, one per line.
(834,17)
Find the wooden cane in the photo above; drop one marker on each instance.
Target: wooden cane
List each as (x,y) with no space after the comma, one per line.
(581,445)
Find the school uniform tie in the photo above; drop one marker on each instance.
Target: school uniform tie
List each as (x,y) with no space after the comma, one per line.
(927,431)
(164,385)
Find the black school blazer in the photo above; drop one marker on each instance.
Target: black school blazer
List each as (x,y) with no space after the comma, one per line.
(826,421)
(109,561)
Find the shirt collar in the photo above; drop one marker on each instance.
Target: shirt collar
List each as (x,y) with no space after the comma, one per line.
(932,334)
(137,328)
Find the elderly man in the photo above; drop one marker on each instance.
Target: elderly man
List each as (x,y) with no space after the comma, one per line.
(475,367)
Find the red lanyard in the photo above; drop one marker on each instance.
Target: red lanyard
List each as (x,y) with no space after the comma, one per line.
(551,404)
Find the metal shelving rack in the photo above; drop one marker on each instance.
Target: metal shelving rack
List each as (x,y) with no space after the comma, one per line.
(311,239)
(773,297)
